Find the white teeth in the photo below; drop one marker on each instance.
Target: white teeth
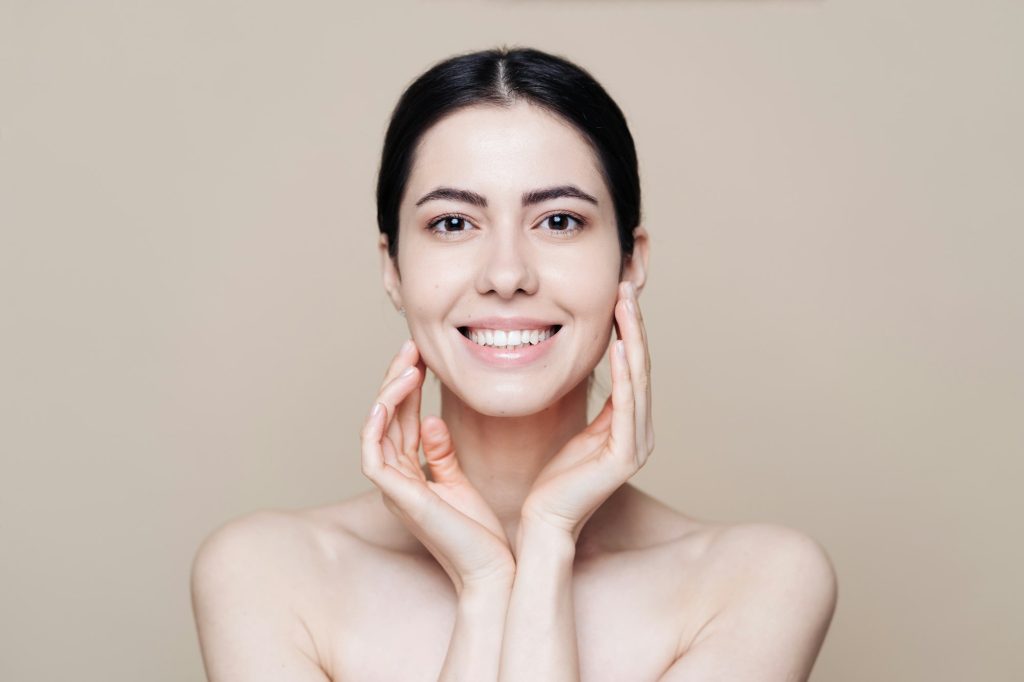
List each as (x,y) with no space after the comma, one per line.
(500,338)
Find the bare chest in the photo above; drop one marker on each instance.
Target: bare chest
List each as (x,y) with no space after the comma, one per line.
(396,619)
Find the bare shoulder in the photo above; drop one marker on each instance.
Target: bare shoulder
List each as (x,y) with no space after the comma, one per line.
(775,591)
(764,589)
(254,584)
(264,547)
(735,554)
(263,533)
(278,544)
(758,560)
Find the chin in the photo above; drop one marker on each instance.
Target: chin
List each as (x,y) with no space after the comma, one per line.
(509,399)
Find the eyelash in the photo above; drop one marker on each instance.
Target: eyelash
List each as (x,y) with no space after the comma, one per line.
(431,226)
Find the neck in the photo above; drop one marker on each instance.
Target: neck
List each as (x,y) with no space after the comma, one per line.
(502,456)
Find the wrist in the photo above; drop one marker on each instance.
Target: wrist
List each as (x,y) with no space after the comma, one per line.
(492,579)
(537,535)
(483,593)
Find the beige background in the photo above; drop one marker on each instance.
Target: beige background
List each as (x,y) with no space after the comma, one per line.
(193,325)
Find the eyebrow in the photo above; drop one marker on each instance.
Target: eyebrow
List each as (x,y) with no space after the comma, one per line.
(532,197)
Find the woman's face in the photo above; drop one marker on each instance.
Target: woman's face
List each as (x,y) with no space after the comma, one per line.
(506,226)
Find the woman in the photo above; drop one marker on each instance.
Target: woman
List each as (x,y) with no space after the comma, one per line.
(508,204)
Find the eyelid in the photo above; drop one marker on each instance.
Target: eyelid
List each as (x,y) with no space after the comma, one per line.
(580,220)
(435,221)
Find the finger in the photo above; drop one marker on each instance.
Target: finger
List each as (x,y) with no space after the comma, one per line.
(397,442)
(384,453)
(369,437)
(647,422)
(643,329)
(439,451)
(405,357)
(648,403)
(393,393)
(392,455)
(623,427)
(409,418)
(646,345)
(410,495)
(636,355)
(387,446)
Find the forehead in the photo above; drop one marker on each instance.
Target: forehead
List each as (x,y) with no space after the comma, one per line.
(505,150)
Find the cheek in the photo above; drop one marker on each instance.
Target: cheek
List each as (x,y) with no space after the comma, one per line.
(588,293)
(598,312)
(428,293)
(428,280)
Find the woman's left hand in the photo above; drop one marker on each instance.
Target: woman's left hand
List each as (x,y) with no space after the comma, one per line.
(613,447)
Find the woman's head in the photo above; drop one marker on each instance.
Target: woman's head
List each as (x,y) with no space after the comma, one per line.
(508,189)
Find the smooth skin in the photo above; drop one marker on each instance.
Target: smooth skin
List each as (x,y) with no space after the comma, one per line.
(525,554)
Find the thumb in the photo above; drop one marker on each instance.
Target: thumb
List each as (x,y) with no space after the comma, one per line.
(440,451)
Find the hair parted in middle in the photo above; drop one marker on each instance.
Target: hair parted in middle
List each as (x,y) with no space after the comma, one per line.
(501,77)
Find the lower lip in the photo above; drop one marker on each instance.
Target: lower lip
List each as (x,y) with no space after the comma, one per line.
(503,357)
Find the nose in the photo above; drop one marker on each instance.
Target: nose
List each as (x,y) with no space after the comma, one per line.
(507,266)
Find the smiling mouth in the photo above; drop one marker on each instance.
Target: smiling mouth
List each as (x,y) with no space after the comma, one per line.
(509,339)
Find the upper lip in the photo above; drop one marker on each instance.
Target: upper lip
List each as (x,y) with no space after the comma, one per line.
(508,323)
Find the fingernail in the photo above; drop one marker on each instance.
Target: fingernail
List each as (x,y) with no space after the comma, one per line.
(377,407)
(630,290)
(620,348)
(408,371)
(407,346)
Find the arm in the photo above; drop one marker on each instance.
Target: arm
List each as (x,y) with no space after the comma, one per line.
(540,629)
(476,639)
(248,629)
(779,612)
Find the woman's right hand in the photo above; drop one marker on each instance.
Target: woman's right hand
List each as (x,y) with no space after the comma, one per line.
(445,512)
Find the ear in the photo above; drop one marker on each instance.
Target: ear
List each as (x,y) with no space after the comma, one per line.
(389,271)
(635,269)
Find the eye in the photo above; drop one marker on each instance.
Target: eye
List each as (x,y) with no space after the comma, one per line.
(562,223)
(449,225)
